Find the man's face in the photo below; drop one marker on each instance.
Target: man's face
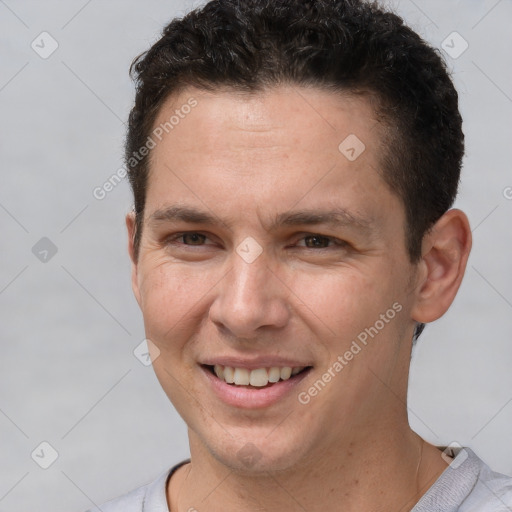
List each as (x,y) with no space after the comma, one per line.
(267,244)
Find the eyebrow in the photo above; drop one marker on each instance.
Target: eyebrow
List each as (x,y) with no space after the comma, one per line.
(184,214)
(337,217)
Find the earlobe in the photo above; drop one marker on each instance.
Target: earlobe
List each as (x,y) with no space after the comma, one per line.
(445,253)
(130,225)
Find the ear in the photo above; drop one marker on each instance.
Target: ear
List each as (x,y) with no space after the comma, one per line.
(445,252)
(130,225)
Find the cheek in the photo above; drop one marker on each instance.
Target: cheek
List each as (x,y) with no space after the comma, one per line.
(172,299)
(345,304)
(341,299)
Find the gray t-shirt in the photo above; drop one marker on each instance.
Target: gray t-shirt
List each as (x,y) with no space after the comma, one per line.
(467,485)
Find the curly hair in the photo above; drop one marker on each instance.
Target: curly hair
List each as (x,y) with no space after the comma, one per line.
(349,46)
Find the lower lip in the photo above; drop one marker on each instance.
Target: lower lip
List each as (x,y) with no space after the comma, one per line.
(252,398)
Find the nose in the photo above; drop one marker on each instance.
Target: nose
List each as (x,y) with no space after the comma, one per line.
(251,299)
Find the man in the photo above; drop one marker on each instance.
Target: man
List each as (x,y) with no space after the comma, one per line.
(293,165)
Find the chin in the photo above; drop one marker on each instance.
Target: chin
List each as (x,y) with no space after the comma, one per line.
(257,453)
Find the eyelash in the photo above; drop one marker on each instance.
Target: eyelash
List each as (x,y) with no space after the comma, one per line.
(334,241)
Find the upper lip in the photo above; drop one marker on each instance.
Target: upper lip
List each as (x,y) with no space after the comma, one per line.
(254,362)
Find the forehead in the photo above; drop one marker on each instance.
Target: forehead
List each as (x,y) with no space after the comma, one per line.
(268,151)
(282,114)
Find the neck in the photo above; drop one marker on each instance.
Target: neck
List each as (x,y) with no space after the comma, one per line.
(387,470)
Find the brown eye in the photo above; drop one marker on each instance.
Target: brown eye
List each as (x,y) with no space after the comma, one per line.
(193,238)
(317,241)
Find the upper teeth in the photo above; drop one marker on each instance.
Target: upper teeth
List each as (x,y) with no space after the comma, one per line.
(258,377)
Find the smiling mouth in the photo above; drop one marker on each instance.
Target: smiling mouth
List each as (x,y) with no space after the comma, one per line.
(257,378)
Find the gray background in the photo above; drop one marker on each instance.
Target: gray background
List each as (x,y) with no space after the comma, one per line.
(69,325)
